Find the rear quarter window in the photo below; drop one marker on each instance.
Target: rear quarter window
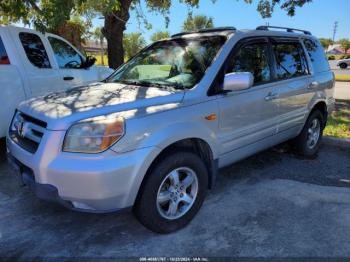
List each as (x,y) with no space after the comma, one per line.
(317,55)
(4,60)
(35,50)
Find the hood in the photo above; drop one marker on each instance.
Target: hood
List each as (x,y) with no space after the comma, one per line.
(98,99)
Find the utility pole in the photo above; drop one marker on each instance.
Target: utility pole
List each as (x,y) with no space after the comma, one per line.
(335,28)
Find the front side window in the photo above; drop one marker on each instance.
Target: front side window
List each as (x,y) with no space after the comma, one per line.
(290,60)
(65,54)
(4,60)
(178,63)
(317,55)
(253,58)
(35,50)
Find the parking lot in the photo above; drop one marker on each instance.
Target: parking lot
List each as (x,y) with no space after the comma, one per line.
(336,69)
(272,204)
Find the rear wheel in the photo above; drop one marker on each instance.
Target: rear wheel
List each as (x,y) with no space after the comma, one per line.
(343,65)
(172,193)
(309,140)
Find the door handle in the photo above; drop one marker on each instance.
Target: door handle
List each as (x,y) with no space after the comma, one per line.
(313,84)
(271,96)
(68,78)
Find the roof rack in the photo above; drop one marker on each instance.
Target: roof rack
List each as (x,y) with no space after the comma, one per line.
(289,30)
(208,30)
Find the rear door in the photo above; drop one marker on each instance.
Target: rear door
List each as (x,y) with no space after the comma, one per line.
(70,63)
(249,116)
(322,76)
(41,76)
(292,82)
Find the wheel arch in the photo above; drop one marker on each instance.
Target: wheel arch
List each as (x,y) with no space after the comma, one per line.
(195,145)
(322,107)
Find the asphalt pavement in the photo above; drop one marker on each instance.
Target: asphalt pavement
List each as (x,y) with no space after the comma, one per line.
(272,204)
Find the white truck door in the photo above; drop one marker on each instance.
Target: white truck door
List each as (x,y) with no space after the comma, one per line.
(70,63)
(41,73)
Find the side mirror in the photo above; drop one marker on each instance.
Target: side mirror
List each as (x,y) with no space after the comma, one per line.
(89,62)
(238,81)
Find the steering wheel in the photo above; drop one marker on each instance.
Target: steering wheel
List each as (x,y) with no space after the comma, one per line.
(72,64)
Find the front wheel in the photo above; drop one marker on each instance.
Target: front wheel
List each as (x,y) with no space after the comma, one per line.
(172,193)
(309,140)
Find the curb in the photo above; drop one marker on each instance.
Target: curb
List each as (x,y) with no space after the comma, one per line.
(339,142)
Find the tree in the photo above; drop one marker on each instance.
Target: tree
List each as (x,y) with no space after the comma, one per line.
(133,43)
(197,22)
(46,16)
(345,44)
(117,14)
(326,42)
(49,13)
(160,35)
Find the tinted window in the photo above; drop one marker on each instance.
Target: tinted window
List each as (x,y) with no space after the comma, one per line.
(35,50)
(3,55)
(253,58)
(317,55)
(65,55)
(290,60)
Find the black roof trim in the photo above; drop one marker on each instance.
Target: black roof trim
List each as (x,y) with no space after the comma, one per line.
(208,30)
(289,30)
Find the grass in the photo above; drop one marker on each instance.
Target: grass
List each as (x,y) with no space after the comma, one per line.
(343,78)
(339,121)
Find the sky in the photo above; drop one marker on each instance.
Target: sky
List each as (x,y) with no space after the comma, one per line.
(318,17)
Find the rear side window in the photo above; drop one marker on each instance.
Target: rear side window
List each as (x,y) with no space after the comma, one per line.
(317,55)
(35,50)
(253,58)
(290,60)
(4,60)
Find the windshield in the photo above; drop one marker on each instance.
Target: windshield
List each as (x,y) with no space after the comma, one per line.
(178,63)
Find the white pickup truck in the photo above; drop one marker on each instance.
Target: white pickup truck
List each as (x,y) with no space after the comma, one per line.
(33,64)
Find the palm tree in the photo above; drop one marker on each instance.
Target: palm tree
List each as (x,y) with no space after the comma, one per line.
(197,22)
(159,35)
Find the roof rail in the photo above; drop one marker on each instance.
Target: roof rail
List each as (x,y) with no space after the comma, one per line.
(289,30)
(208,30)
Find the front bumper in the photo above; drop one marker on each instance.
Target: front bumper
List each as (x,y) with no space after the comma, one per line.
(103,182)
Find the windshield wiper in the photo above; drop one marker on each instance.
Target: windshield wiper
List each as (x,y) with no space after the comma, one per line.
(150,84)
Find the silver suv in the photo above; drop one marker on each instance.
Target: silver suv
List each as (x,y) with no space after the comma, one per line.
(152,136)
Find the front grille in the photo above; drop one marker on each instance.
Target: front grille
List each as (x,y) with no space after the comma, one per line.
(27,131)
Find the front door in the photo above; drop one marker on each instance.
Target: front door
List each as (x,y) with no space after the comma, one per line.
(249,116)
(70,63)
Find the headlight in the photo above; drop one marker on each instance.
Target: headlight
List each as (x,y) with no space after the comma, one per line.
(94,135)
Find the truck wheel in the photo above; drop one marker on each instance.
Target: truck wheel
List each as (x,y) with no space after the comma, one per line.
(172,193)
(309,140)
(343,65)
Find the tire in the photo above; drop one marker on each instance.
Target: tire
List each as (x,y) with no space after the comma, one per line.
(2,149)
(152,210)
(343,65)
(305,144)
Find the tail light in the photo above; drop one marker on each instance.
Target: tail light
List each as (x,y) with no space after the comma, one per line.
(4,60)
